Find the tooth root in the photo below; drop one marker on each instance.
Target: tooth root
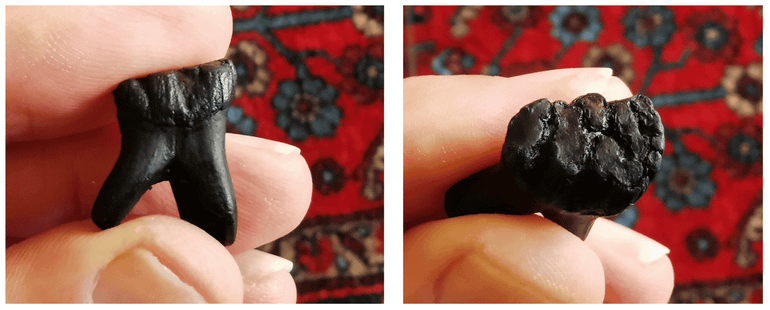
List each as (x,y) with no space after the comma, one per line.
(201,181)
(172,128)
(143,161)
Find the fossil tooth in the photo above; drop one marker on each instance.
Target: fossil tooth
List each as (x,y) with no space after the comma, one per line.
(571,162)
(172,127)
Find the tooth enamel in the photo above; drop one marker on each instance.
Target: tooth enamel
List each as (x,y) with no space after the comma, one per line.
(172,128)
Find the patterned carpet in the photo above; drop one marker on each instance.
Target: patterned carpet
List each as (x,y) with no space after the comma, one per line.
(702,67)
(313,77)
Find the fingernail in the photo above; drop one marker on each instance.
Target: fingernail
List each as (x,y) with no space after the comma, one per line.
(282,148)
(256,264)
(137,276)
(263,144)
(558,74)
(627,242)
(587,81)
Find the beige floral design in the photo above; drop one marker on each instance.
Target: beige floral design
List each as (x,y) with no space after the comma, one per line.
(752,232)
(366,22)
(460,26)
(744,89)
(616,57)
(255,58)
(373,186)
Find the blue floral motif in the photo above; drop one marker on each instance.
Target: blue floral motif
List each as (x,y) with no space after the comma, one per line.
(572,23)
(491,69)
(702,244)
(241,121)
(452,61)
(341,263)
(649,26)
(328,176)
(629,217)
(307,107)
(363,231)
(369,71)
(745,149)
(683,179)
(736,296)
(716,40)
(758,45)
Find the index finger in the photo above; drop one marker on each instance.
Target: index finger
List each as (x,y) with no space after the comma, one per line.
(63,62)
(455,126)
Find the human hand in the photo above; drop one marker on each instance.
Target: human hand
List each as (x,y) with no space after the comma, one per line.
(455,126)
(62,140)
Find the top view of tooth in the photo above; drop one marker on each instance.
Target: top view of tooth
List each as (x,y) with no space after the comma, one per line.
(570,162)
(172,127)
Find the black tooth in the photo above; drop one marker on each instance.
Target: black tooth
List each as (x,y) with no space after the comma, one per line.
(571,162)
(172,128)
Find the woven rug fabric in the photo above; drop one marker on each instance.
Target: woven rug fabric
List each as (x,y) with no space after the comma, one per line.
(702,68)
(313,77)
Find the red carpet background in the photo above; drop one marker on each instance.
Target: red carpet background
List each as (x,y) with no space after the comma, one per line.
(313,77)
(701,66)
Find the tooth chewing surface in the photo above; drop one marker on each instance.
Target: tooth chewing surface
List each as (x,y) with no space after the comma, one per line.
(571,162)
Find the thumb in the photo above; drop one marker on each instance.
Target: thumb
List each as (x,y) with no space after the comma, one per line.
(499,259)
(152,259)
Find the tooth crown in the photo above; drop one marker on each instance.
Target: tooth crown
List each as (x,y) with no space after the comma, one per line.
(178,98)
(590,157)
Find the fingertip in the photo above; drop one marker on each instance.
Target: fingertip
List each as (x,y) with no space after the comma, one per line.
(616,89)
(558,74)
(651,283)
(273,187)
(53,182)
(278,287)
(63,62)
(637,269)
(498,258)
(64,264)
(262,144)
(266,278)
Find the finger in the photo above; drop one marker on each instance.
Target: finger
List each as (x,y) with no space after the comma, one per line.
(273,187)
(266,278)
(499,259)
(455,125)
(53,182)
(636,268)
(63,62)
(151,259)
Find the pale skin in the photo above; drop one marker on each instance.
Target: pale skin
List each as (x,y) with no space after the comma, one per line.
(62,139)
(455,126)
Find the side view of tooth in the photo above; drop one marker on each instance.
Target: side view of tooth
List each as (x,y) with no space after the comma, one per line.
(172,128)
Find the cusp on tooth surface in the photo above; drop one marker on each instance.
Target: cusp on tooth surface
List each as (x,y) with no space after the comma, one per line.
(572,162)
